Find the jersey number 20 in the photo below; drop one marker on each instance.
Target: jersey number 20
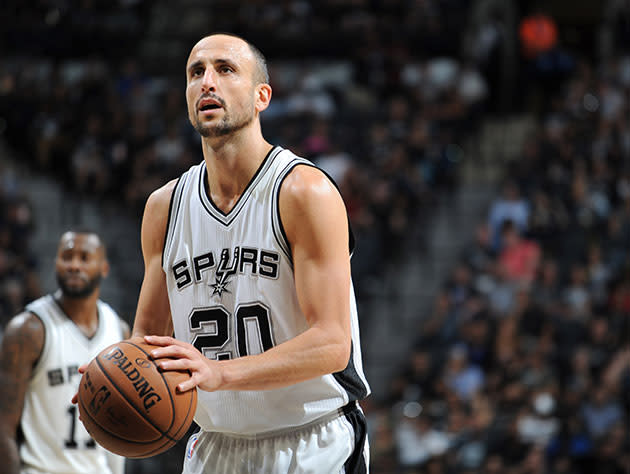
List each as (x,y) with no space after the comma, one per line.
(214,328)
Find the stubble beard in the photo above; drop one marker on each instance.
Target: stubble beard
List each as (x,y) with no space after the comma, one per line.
(79,293)
(226,126)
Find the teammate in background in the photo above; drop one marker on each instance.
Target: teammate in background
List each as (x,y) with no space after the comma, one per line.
(247,260)
(40,352)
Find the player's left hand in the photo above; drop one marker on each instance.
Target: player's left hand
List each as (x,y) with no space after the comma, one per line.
(177,355)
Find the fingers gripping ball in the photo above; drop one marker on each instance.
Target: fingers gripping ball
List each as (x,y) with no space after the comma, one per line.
(131,408)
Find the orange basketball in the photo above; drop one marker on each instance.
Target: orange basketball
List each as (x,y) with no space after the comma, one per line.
(131,408)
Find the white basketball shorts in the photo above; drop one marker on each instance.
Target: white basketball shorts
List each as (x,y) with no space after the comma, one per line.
(333,444)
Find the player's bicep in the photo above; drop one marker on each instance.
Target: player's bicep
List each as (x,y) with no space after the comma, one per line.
(153,311)
(316,224)
(20,349)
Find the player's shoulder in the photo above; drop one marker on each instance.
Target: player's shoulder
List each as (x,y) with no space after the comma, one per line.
(24,331)
(159,201)
(306,181)
(162,195)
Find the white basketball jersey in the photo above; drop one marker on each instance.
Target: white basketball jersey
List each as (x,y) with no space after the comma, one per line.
(232,293)
(55,441)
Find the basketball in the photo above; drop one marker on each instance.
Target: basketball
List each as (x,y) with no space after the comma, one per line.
(131,408)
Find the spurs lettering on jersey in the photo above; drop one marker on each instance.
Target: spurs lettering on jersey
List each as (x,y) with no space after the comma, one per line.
(231,289)
(59,376)
(242,260)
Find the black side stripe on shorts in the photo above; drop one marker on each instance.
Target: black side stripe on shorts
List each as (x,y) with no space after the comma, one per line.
(355,464)
(350,380)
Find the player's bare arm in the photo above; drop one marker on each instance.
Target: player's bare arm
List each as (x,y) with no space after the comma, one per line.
(153,314)
(20,349)
(315,221)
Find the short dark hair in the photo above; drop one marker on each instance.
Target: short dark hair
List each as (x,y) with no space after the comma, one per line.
(262,73)
(85,230)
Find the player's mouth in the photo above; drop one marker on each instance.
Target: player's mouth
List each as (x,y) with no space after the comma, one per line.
(208,106)
(74,280)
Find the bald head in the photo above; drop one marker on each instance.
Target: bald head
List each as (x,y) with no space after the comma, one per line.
(240,46)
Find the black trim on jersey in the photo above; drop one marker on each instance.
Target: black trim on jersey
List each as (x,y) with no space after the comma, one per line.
(168,219)
(355,464)
(38,362)
(282,239)
(204,190)
(350,380)
(351,240)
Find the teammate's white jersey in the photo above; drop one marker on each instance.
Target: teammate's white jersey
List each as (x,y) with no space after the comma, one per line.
(232,293)
(55,441)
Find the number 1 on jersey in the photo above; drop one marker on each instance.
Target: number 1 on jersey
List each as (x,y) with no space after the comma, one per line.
(71,443)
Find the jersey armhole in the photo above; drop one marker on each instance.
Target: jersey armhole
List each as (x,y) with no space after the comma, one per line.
(278,227)
(45,347)
(173,211)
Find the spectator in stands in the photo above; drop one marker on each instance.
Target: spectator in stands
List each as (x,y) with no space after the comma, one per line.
(601,411)
(19,282)
(519,258)
(510,206)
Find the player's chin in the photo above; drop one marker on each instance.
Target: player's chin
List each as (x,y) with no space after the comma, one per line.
(76,291)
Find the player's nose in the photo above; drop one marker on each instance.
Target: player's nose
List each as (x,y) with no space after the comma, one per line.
(209,81)
(74,264)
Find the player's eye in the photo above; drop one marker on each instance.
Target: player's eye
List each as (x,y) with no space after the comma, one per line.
(225,69)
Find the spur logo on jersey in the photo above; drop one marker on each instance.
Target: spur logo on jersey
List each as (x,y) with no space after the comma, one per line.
(225,270)
(240,260)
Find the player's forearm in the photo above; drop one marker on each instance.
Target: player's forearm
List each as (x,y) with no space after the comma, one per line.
(153,314)
(9,454)
(311,354)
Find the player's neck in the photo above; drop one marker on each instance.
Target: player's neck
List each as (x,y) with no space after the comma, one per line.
(82,311)
(231,164)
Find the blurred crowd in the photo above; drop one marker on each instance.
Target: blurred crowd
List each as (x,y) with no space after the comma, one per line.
(523,367)
(19,280)
(389,126)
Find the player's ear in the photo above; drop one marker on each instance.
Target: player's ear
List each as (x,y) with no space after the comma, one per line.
(263,96)
(105,268)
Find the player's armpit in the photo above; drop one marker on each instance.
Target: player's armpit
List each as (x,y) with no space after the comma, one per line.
(21,347)
(153,311)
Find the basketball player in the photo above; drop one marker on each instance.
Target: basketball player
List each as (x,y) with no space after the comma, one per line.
(247,260)
(40,352)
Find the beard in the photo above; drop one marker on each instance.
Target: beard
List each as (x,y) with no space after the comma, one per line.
(223,128)
(226,126)
(79,292)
